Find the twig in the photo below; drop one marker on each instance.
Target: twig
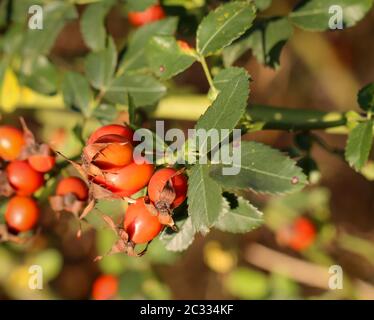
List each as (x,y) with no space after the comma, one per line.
(301,271)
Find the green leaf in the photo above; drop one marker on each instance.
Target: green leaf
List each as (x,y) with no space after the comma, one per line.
(204,198)
(266,41)
(241,219)
(105,113)
(13,39)
(134,58)
(188,4)
(131,110)
(144,89)
(92,24)
(365,97)
(44,77)
(222,26)
(19,9)
(100,66)
(77,93)
(314,14)
(166,59)
(181,240)
(262,169)
(39,42)
(229,106)
(262,4)
(139,5)
(359,144)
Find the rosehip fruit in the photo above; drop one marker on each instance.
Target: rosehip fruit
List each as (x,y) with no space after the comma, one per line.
(140,225)
(42,163)
(299,236)
(105,287)
(126,181)
(73,185)
(184,45)
(151,14)
(116,129)
(23,178)
(109,152)
(22,213)
(11,142)
(159,181)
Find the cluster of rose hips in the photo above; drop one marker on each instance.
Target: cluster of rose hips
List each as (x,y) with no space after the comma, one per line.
(24,163)
(110,170)
(299,235)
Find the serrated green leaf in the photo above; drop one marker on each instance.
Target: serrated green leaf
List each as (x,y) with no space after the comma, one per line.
(266,41)
(77,93)
(204,198)
(224,25)
(100,66)
(165,58)
(181,240)
(365,97)
(144,89)
(314,15)
(229,106)
(241,219)
(359,144)
(262,169)
(134,58)
(39,42)
(139,5)
(92,24)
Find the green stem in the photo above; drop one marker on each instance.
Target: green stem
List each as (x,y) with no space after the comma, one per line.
(207,73)
(191,107)
(275,118)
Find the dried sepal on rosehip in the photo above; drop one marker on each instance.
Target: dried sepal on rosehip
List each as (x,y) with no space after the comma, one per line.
(39,155)
(95,191)
(123,244)
(109,152)
(6,189)
(71,196)
(7,236)
(167,190)
(139,227)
